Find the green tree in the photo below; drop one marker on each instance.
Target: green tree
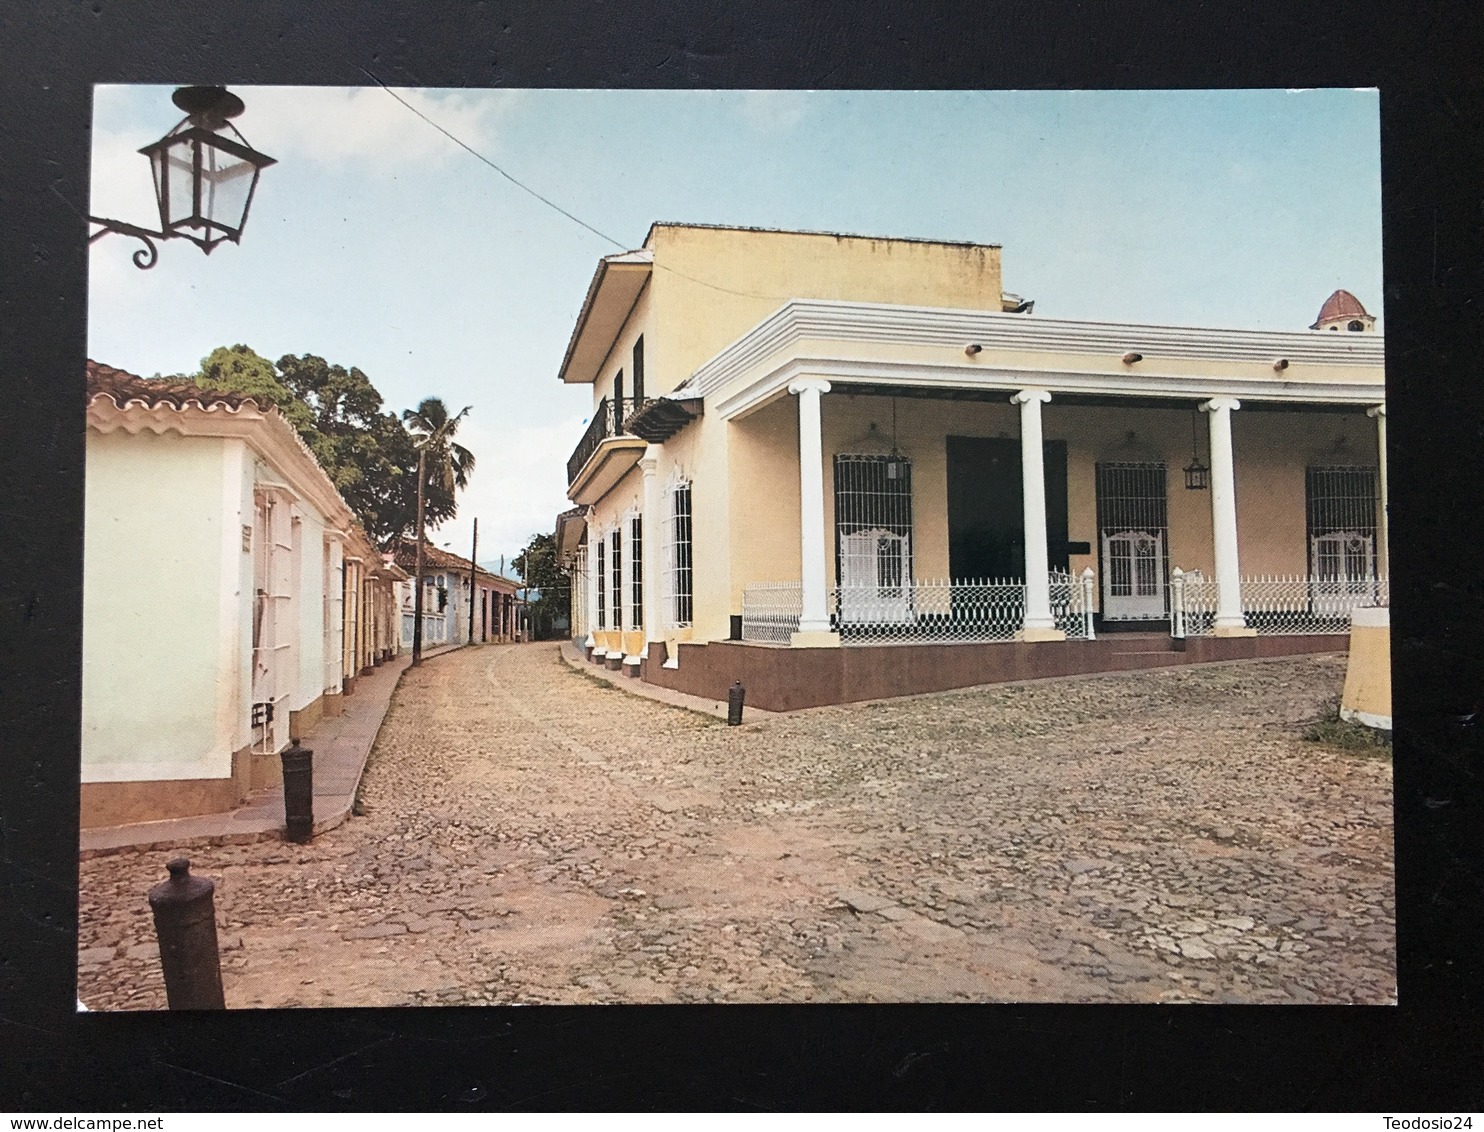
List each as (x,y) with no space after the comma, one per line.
(367,453)
(443,462)
(364,449)
(449,464)
(538,567)
(239,369)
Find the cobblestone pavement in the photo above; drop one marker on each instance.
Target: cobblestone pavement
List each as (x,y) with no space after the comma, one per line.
(532,835)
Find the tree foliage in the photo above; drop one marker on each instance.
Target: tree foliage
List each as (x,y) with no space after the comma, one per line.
(239,369)
(449,464)
(538,567)
(364,449)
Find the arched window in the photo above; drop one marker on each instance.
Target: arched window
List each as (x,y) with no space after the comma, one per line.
(1355,324)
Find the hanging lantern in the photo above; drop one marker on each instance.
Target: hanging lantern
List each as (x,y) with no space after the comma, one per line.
(1197,475)
(205,175)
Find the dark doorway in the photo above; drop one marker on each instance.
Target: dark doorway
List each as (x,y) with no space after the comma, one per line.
(986,511)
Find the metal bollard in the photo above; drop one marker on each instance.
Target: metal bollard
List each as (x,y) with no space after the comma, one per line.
(735,695)
(185,925)
(298,792)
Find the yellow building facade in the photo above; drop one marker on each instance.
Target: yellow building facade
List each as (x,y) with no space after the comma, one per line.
(812,441)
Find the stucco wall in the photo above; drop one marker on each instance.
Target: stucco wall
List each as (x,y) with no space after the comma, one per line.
(621,355)
(311,601)
(153,629)
(1271,452)
(710,286)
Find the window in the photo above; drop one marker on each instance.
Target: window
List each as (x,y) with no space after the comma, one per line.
(618,413)
(602,582)
(636,572)
(679,577)
(616,557)
(1133,535)
(1342,524)
(1355,324)
(873,525)
(638,369)
(579,582)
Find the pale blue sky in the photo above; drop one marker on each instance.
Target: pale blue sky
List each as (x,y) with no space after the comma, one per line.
(377,242)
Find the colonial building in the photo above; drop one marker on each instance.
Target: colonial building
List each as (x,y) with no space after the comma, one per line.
(230,600)
(841,467)
(447,604)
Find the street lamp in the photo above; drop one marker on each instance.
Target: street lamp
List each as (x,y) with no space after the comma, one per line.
(205,175)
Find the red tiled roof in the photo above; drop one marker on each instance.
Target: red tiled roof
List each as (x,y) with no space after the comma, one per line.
(124,387)
(435,558)
(1342,304)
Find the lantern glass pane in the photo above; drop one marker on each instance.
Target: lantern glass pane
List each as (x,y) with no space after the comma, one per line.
(177,208)
(226,184)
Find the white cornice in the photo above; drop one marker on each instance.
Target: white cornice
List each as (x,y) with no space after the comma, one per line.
(752,395)
(879,323)
(266,433)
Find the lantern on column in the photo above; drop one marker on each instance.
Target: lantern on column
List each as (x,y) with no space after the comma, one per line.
(205,175)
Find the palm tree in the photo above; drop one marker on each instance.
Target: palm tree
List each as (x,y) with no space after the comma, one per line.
(438,457)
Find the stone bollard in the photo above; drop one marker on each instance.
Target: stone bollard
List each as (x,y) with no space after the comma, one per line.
(298,792)
(735,695)
(185,925)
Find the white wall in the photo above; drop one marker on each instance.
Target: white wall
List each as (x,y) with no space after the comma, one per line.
(155,540)
(310,683)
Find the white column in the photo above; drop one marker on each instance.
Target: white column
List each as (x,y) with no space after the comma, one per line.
(596,538)
(589,592)
(1383,533)
(1039,625)
(1229,620)
(653,526)
(814,621)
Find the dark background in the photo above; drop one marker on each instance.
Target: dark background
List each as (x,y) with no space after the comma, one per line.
(1425,1054)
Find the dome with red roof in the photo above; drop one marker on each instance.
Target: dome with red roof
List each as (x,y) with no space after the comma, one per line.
(1343,311)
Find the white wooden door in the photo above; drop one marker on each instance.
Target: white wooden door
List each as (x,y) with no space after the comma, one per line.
(1343,571)
(875,582)
(1133,575)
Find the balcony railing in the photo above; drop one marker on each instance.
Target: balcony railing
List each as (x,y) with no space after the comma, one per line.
(608,420)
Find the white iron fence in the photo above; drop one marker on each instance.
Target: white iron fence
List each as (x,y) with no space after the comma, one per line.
(1274,604)
(919,612)
(771,610)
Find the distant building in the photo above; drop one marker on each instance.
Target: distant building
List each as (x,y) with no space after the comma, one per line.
(809,451)
(446,599)
(230,600)
(1343,311)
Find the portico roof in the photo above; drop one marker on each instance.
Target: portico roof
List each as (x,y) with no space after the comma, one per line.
(936,348)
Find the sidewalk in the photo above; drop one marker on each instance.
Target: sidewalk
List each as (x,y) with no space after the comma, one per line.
(669,696)
(341,745)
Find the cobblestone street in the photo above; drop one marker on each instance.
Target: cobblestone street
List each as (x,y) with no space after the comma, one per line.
(530,834)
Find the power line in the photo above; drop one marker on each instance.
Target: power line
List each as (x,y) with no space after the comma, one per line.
(514,181)
(552,204)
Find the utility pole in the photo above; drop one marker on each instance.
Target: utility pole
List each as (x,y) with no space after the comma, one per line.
(473,569)
(417,581)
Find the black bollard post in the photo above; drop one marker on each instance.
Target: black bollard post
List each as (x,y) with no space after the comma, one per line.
(298,792)
(735,695)
(185,925)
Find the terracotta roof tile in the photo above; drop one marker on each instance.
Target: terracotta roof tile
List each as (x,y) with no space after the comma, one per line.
(123,387)
(1342,304)
(435,558)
